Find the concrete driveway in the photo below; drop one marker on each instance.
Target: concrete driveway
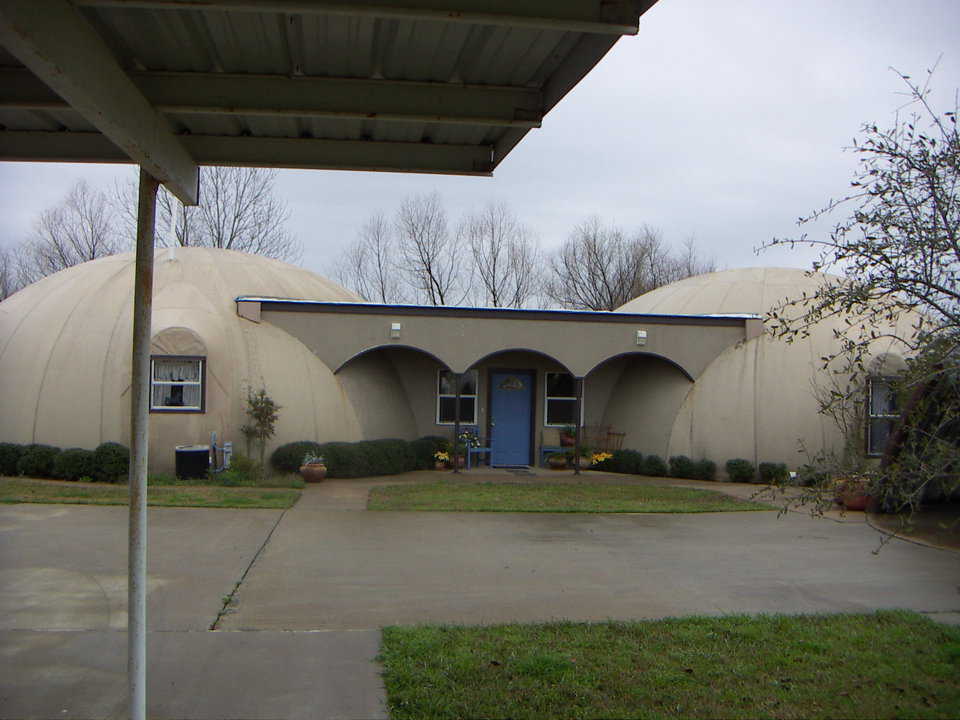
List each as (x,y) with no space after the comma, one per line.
(334,573)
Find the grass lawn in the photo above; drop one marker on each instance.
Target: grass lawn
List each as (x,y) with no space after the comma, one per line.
(23,490)
(542,497)
(885,665)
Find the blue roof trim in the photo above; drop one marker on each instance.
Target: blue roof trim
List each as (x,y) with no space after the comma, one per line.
(459,309)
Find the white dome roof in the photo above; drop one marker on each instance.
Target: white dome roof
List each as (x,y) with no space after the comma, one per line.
(65,346)
(743,290)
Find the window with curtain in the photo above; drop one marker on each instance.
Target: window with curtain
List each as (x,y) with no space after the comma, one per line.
(882,414)
(176,384)
(560,403)
(447,397)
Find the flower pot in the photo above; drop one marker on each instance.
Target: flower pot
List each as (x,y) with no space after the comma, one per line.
(314,472)
(567,440)
(856,501)
(557,463)
(440,465)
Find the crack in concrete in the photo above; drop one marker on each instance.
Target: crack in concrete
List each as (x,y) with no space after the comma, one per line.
(228,601)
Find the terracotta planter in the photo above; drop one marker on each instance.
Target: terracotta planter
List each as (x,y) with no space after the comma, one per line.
(567,440)
(856,501)
(314,472)
(440,465)
(852,494)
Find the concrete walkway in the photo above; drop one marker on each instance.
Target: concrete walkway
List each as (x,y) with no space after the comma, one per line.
(329,568)
(63,619)
(300,637)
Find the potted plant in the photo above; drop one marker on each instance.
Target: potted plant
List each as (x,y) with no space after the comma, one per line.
(441,459)
(556,461)
(854,492)
(313,468)
(568,436)
(466,440)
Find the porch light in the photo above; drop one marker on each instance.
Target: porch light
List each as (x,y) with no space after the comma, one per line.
(641,337)
(395,330)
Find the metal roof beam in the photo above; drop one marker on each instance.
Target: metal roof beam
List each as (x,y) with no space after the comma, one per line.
(223,94)
(608,17)
(54,40)
(301,153)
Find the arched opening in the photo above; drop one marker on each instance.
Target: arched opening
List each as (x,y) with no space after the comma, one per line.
(393,389)
(637,394)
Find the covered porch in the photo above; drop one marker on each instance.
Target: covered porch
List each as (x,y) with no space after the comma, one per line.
(516,379)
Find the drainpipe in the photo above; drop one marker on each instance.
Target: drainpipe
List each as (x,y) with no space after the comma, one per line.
(456,421)
(578,385)
(139,437)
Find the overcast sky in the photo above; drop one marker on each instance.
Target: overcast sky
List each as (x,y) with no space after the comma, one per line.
(722,121)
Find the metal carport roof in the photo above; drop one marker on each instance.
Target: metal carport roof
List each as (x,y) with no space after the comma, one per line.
(441,86)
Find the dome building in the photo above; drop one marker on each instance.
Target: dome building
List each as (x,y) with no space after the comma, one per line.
(685,369)
(65,355)
(758,399)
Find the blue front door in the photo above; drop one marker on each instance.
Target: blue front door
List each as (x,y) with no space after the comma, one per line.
(511,407)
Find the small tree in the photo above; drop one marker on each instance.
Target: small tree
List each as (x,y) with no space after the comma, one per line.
(898,254)
(263,413)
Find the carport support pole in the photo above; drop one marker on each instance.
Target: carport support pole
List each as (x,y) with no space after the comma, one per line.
(139,440)
(456,422)
(578,417)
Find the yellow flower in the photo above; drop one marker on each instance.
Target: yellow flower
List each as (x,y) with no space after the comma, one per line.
(600,457)
(442,456)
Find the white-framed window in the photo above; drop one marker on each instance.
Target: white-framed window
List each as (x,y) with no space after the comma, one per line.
(176,383)
(882,414)
(447,397)
(560,400)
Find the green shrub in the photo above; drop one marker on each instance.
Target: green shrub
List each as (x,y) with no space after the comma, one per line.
(654,466)
(682,467)
(740,470)
(623,461)
(343,460)
(424,448)
(37,461)
(9,457)
(773,473)
(288,458)
(111,462)
(73,464)
(705,470)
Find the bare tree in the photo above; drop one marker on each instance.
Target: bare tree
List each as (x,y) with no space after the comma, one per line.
(429,255)
(239,210)
(602,267)
(83,227)
(8,274)
(505,257)
(689,261)
(369,265)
